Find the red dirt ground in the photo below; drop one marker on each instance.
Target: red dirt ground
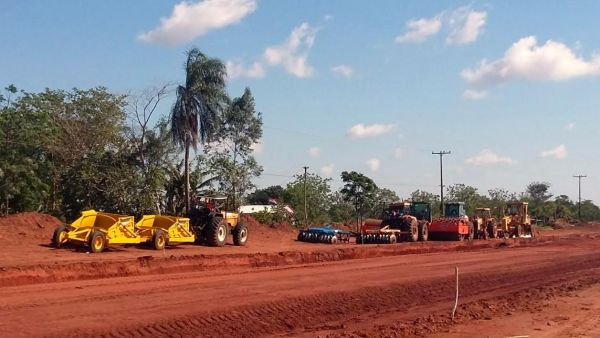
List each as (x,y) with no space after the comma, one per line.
(276,286)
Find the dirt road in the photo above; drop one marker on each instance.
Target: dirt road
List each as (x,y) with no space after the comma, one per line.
(381,296)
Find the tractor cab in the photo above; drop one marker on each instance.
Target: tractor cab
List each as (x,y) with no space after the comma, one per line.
(454,209)
(396,210)
(421,210)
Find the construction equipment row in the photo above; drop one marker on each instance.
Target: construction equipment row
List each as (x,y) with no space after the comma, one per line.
(412,222)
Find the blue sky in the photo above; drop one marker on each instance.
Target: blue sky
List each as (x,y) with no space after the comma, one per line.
(510,87)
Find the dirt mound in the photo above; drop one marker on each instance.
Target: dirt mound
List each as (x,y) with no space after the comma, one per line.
(561,223)
(275,229)
(28,225)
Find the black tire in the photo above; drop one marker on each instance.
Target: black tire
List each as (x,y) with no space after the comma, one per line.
(423,232)
(518,231)
(216,232)
(484,234)
(491,230)
(97,242)
(240,234)
(412,227)
(159,239)
(471,231)
(60,236)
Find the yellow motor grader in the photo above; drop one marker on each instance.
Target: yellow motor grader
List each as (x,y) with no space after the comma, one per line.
(516,221)
(484,224)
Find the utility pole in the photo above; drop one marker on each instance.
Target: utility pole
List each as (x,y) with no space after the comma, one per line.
(579,177)
(441,153)
(305,209)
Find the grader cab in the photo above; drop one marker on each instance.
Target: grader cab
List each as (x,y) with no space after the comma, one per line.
(212,224)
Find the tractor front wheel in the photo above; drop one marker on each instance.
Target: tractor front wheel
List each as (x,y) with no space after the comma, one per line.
(60,236)
(423,232)
(240,234)
(216,232)
(97,242)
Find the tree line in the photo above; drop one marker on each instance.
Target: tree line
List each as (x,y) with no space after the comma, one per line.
(64,151)
(360,197)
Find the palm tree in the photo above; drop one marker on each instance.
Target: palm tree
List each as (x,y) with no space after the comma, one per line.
(198,106)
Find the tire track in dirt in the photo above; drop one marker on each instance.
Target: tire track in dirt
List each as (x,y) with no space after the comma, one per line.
(311,312)
(149,265)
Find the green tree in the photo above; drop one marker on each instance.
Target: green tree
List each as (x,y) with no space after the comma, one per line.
(589,211)
(564,207)
(199,103)
(383,197)
(262,196)
(24,169)
(359,190)
(340,210)
(318,192)
(498,199)
(538,193)
(467,194)
(432,199)
(240,127)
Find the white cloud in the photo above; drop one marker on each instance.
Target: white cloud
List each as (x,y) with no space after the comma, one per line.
(570,126)
(373,164)
(558,153)
(327,170)
(488,157)
(238,69)
(314,152)
(399,153)
(328,17)
(465,25)
(293,53)
(361,130)
(419,30)
(471,94)
(343,70)
(258,147)
(527,60)
(190,20)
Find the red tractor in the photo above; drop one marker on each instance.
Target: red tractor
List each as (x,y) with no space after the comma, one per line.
(455,225)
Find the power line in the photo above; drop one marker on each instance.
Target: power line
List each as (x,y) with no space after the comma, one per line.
(579,177)
(441,153)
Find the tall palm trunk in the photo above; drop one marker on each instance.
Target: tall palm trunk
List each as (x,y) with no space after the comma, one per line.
(187,174)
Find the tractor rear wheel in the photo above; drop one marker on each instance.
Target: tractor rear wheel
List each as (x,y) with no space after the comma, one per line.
(240,234)
(412,227)
(423,232)
(97,242)
(159,240)
(216,232)
(60,236)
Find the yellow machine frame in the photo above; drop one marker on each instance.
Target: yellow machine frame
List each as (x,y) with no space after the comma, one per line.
(176,229)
